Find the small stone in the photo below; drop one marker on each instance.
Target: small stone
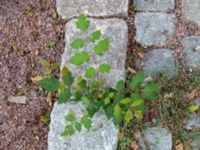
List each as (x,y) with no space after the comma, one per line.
(193,122)
(72,8)
(160,61)
(157,139)
(154,5)
(154,28)
(191,10)
(191,46)
(17,99)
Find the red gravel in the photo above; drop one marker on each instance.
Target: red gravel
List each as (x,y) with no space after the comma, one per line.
(20,127)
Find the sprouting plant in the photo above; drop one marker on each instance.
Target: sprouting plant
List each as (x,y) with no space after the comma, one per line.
(121,104)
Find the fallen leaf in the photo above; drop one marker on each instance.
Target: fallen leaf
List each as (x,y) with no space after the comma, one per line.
(192,95)
(36,78)
(134,145)
(131,70)
(179,147)
(49,99)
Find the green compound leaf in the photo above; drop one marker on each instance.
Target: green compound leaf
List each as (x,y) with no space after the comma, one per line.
(102,47)
(95,36)
(105,68)
(80,58)
(193,108)
(86,121)
(50,84)
(69,130)
(117,114)
(120,86)
(64,96)
(90,73)
(151,91)
(137,80)
(128,116)
(77,43)
(70,118)
(78,126)
(125,101)
(82,23)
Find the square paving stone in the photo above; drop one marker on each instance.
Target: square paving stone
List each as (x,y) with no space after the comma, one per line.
(117,32)
(154,5)
(191,10)
(154,28)
(160,61)
(191,47)
(72,8)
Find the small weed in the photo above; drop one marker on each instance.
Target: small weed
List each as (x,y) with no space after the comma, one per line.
(29,11)
(55,16)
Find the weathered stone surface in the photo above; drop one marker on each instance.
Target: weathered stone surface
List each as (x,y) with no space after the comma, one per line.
(153,28)
(191,47)
(154,5)
(114,29)
(191,10)
(71,8)
(17,99)
(157,139)
(102,135)
(193,122)
(195,145)
(160,61)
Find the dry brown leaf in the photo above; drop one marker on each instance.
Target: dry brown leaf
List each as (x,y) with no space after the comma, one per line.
(134,145)
(179,147)
(131,70)
(192,95)
(49,99)
(36,78)
(141,55)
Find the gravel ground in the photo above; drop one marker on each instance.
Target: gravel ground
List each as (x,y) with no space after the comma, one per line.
(25,27)
(20,127)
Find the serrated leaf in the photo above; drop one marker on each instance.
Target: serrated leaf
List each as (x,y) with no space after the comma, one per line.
(90,73)
(82,23)
(120,86)
(107,101)
(151,91)
(117,114)
(137,80)
(70,118)
(95,36)
(50,84)
(77,43)
(102,47)
(80,58)
(105,68)
(69,130)
(85,100)
(138,114)
(193,108)
(64,96)
(137,102)
(128,116)
(86,121)
(78,126)
(125,100)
